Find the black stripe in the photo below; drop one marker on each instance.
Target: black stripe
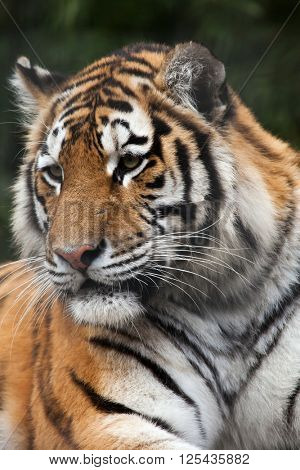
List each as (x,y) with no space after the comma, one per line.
(179,333)
(161,129)
(265,271)
(126,53)
(247,340)
(216,190)
(124,262)
(245,233)
(149,197)
(44,149)
(83,81)
(30,188)
(186,211)
(158,372)
(119,105)
(96,140)
(183,163)
(99,65)
(156,148)
(189,335)
(122,122)
(278,245)
(54,273)
(160,126)
(142,61)
(114,83)
(279,310)
(179,338)
(155,214)
(157,183)
(108,406)
(115,60)
(136,140)
(107,91)
(123,252)
(105,120)
(202,140)
(82,94)
(150,164)
(153,221)
(72,110)
(232,397)
(291,401)
(135,71)
(143,217)
(53,411)
(77,96)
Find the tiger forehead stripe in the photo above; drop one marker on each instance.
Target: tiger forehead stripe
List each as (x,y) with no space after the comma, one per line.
(107,62)
(82,98)
(100,70)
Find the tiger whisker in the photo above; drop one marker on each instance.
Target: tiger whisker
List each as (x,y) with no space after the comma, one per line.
(166,278)
(190,247)
(218,262)
(200,230)
(169,275)
(200,262)
(196,274)
(35,287)
(29,288)
(47,305)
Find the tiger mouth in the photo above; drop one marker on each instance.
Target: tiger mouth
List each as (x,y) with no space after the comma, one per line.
(90,285)
(131,285)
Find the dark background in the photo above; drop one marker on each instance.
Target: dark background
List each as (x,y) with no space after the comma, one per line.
(68,34)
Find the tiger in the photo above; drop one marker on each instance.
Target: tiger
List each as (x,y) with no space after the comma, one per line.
(155,300)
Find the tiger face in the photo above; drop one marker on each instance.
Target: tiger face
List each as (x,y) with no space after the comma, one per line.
(120,157)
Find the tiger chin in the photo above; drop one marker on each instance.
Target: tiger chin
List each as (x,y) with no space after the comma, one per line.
(155,304)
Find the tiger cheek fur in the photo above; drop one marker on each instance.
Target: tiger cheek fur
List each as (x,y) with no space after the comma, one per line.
(158,226)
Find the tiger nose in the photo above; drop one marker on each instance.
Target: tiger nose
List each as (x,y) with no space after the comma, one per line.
(82,256)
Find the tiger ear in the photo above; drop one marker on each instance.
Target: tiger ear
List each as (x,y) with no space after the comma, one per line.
(197,80)
(34,86)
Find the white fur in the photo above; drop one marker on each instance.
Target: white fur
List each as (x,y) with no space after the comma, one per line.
(55,141)
(119,309)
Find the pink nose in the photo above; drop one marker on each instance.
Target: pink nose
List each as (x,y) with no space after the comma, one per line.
(79,257)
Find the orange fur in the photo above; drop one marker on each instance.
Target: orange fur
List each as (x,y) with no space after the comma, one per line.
(39,353)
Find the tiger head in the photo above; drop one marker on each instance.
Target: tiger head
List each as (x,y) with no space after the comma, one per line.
(127,172)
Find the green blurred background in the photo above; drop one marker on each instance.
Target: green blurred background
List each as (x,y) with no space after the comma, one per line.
(68,34)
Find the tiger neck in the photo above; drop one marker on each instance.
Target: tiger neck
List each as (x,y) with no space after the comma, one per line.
(267,206)
(257,251)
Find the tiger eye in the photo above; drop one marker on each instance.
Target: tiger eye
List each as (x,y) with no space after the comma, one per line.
(55,171)
(130,161)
